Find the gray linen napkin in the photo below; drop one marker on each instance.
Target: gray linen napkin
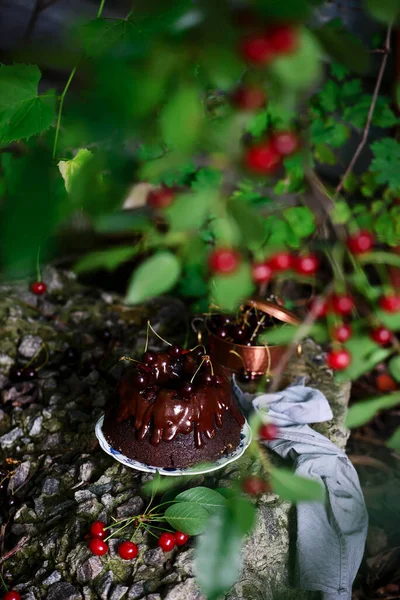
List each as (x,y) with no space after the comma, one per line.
(330,536)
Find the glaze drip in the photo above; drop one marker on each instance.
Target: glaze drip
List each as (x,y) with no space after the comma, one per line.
(163,413)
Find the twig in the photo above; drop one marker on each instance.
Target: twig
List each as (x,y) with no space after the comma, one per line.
(302,332)
(371,111)
(14,550)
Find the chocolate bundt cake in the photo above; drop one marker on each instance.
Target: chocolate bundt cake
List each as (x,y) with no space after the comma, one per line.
(170,410)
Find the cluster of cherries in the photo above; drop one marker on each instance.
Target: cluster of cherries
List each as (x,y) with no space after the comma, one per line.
(129,550)
(9,502)
(242,329)
(180,369)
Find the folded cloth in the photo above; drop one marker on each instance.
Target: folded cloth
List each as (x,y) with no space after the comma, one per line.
(330,536)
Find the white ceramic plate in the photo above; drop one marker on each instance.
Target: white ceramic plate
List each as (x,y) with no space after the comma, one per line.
(245,439)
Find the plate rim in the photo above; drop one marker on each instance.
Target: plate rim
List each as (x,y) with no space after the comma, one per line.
(188,471)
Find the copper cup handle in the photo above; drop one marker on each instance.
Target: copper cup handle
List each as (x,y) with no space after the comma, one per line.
(197,325)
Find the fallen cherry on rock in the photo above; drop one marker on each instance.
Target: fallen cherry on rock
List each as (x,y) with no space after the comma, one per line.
(38,288)
(98,546)
(97,529)
(128,550)
(166,541)
(181,538)
(12,595)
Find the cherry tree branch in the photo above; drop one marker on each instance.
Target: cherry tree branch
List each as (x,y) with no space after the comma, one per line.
(386,50)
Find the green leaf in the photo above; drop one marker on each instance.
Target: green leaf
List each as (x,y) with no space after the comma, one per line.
(223,67)
(155,276)
(362,412)
(384,10)
(209,499)
(339,71)
(23,112)
(122,221)
(394,368)
(248,222)
(324,154)
(285,11)
(105,259)
(228,291)
(189,517)
(218,550)
(30,212)
(181,118)
(301,220)
(189,211)
(341,212)
(100,35)
(394,440)
(390,320)
(300,70)
(294,488)
(380,258)
(70,168)
(343,47)
(386,162)
(284,334)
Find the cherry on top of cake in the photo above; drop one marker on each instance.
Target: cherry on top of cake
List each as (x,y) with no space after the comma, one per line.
(175,392)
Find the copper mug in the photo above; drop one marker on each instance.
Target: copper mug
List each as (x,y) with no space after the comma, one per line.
(257,360)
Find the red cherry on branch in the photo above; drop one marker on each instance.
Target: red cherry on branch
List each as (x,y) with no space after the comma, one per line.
(38,288)
(128,550)
(282,261)
(249,97)
(381,336)
(360,242)
(254,486)
(161,197)
(342,304)
(307,264)
(257,49)
(342,332)
(98,547)
(283,39)
(285,142)
(97,529)
(181,538)
(385,383)
(338,360)
(390,303)
(268,432)
(12,595)
(262,158)
(224,260)
(167,541)
(261,272)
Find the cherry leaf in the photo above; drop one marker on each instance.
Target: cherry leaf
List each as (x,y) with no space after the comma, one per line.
(23,112)
(155,276)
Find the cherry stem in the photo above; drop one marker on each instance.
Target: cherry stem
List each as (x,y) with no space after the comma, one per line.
(38,351)
(197,370)
(159,336)
(241,358)
(199,346)
(133,360)
(148,530)
(257,328)
(147,337)
(3,582)
(38,273)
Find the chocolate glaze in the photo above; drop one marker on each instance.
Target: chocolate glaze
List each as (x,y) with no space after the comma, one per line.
(165,414)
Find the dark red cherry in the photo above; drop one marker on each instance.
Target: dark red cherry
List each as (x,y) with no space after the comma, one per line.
(217,380)
(175,351)
(38,288)
(206,379)
(239,333)
(361,242)
(140,379)
(186,390)
(161,197)
(71,355)
(382,336)
(16,374)
(244,376)
(222,332)
(29,373)
(149,357)
(224,320)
